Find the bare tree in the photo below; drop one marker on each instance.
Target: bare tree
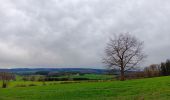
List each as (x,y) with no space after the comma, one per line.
(152,71)
(123,52)
(6,77)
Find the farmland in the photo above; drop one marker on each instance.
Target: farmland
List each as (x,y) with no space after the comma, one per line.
(140,89)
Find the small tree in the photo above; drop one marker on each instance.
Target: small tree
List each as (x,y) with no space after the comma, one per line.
(168,66)
(6,77)
(165,68)
(124,52)
(152,71)
(32,78)
(42,79)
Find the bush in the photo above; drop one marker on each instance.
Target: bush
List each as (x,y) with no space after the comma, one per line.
(21,85)
(32,85)
(79,79)
(56,79)
(68,82)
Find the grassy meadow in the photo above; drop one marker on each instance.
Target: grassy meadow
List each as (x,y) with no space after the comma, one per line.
(92,76)
(140,89)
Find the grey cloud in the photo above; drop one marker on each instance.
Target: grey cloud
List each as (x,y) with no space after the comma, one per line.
(73,33)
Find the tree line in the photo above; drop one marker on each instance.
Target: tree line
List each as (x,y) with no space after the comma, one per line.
(162,69)
(154,70)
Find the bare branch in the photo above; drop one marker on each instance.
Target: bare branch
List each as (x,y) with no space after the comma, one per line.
(124,51)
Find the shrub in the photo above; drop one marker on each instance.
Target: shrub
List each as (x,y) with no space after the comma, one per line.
(32,84)
(79,79)
(21,85)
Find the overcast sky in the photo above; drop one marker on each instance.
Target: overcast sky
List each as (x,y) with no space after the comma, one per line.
(73,33)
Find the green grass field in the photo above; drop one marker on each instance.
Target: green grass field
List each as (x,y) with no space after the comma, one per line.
(92,76)
(141,89)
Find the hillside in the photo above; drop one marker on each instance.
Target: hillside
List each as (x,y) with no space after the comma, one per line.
(141,89)
(32,70)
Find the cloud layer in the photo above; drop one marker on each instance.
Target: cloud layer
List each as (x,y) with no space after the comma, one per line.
(73,33)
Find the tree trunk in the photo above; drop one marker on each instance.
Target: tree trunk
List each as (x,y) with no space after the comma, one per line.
(122,75)
(4,84)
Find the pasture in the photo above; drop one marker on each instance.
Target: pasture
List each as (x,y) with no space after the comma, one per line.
(139,89)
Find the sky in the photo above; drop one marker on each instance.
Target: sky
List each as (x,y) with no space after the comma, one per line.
(74,33)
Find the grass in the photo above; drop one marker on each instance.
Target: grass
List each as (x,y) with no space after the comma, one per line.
(92,76)
(13,84)
(141,89)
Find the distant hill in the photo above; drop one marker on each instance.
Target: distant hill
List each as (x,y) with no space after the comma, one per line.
(33,70)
